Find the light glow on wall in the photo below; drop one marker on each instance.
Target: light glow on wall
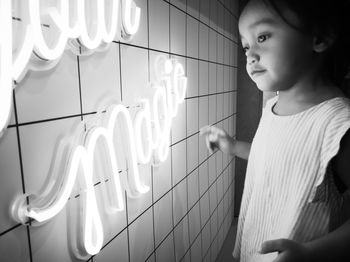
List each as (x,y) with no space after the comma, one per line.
(145,139)
(70,25)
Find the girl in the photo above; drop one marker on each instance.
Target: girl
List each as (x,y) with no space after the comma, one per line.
(293,206)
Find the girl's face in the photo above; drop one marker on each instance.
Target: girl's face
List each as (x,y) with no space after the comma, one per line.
(278,56)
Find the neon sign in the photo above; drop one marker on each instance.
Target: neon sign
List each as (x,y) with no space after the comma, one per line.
(147,139)
(68,20)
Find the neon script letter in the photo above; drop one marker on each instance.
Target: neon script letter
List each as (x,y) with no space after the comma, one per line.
(144,140)
(68,24)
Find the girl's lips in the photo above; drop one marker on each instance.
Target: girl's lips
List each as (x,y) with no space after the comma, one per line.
(257,72)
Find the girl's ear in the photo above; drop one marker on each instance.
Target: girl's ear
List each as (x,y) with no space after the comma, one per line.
(322,43)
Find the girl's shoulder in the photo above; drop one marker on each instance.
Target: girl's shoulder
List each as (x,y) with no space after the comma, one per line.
(336,107)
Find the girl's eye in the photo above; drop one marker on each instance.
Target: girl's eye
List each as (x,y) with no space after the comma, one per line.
(262,38)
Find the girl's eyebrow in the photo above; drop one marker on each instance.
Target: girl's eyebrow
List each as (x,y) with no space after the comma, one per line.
(264,20)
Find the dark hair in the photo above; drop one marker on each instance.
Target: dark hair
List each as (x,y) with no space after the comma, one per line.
(323,18)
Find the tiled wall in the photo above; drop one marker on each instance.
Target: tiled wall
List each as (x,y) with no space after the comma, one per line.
(188,211)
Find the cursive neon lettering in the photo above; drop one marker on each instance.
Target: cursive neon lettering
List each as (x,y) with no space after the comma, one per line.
(115,122)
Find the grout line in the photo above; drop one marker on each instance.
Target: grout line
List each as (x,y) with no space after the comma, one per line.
(80,92)
(205,160)
(21,169)
(174,54)
(186,12)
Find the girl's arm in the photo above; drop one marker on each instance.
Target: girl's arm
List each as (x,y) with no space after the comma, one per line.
(217,138)
(240,149)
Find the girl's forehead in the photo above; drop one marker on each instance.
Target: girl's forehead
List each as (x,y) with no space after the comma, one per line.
(258,12)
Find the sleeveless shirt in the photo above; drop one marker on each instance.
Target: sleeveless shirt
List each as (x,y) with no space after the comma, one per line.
(289,190)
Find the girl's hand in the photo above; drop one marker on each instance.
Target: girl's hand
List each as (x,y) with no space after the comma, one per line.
(216,138)
(288,250)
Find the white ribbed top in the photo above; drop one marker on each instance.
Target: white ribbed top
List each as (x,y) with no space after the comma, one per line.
(289,191)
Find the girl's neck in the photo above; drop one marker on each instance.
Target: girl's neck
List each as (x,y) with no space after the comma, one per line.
(304,95)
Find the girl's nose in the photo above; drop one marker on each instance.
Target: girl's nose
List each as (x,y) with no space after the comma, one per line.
(252,57)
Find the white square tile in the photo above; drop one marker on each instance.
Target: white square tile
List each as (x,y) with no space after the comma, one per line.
(14,245)
(141,36)
(193,8)
(203,150)
(163,218)
(44,138)
(178,156)
(180,4)
(192,37)
(178,130)
(235,32)
(162,178)
(219,160)
(234,101)
(220,187)
(159,25)
(192,116)
(214,227)
(220,18)
(203,78)
(220,49)
(166,251)
(203,41)
(226,78)
(220,238)
(212,198)
(227,23)
(212,78)
(192,76)
(203,178)
(180,201)
(10,180)
(192,153)
(177,31)
(153,56)
(117,248)
(204,11)
(137,206)
(214,250)
(226,105)
(212,169)
(46,242)
(134,62)
(220,78)
(196,251)
(96,85)
(203,111)
(141,237)
(212,45)
(193,188)
(204,207)
(181,239)
(206,239)
(49,94)
(227,51)
(194,218)
(220,107)
(212,109)
(213,14)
